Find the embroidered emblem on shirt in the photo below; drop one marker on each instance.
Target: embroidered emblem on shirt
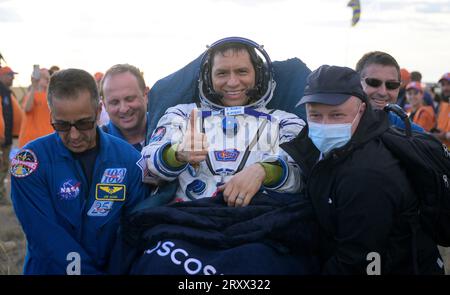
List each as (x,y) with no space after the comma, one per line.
(100,208)
(110,192)
(229,155)
(69,190)
(114,175)
(24,163)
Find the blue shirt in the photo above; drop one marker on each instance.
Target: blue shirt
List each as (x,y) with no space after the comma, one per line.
(398,122)
(61,214)
(114,130)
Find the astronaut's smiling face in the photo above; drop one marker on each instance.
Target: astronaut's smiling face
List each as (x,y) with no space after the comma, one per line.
(232,76)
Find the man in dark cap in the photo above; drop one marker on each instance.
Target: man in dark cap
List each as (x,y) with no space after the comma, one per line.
(362,197)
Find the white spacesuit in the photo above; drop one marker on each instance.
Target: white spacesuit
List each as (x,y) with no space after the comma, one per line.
(237,137)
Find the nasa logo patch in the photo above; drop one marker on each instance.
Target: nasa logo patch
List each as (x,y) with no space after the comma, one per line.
(69,190)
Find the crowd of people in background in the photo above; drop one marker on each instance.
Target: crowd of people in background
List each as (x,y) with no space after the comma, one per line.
(425,103)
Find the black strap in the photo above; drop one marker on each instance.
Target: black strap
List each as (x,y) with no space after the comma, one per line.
(392,107)
(252,144)
(8,116)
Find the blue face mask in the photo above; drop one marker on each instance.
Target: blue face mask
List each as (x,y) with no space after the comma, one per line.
(327,137)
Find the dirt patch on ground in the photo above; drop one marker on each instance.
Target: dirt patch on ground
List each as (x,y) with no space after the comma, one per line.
(12,242)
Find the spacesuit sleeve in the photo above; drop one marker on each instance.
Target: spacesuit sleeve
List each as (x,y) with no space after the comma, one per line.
(170,130)
(47,239)
(138,191)
(289,126)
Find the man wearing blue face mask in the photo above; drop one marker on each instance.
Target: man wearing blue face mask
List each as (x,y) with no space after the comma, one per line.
(361,196)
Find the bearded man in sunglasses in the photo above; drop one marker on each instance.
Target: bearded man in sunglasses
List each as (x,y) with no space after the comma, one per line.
(70,188)
(381,81)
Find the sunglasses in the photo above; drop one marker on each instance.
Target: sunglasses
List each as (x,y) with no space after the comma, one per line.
(391,85)
(82,125)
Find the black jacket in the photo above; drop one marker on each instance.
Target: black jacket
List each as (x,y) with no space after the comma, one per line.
(364,203)
(5,96)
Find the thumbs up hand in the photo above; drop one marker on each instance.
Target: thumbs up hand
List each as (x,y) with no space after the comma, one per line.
(194,147)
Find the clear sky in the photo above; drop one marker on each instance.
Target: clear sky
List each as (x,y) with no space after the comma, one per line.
(161,36)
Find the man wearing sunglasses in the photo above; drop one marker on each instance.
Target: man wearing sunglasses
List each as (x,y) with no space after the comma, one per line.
(70,188)
(381,81)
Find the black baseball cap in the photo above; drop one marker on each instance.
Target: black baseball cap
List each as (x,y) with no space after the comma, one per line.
(332,85)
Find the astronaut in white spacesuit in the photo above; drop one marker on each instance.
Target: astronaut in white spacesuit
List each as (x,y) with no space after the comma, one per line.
(229,141)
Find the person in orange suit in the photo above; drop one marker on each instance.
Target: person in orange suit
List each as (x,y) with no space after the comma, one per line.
(442,131)
(421,114)
(37,114)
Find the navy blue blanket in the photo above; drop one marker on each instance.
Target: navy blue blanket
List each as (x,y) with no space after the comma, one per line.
(178,257)
(273,235)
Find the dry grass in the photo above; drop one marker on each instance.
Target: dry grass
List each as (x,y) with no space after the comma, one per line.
(12,242)
(445,253)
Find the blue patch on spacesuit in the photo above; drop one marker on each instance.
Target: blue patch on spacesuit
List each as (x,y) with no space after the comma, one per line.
(229,155)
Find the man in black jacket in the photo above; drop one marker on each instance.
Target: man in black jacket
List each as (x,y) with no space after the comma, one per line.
(362,198)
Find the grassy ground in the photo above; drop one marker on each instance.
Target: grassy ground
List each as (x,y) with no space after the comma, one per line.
(12,242)
(445,253)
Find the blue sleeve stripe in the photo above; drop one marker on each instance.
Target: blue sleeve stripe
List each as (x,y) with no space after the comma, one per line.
(161,166)
(282,124)
(182,113)
(175,113)
(287,136)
